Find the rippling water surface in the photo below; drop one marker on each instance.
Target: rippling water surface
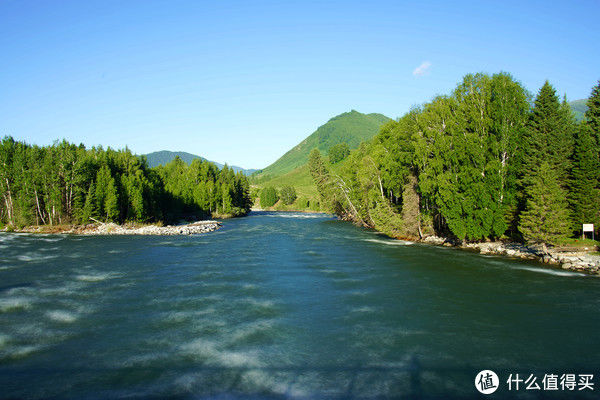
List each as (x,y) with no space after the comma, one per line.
(279,305)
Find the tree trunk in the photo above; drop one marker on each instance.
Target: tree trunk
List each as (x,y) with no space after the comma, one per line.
(39,210)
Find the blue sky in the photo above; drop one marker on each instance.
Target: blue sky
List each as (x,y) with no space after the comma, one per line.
(243,82)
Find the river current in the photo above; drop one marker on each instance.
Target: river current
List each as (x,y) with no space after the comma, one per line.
(281,305)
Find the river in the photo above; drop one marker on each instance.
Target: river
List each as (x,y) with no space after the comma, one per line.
(281,305)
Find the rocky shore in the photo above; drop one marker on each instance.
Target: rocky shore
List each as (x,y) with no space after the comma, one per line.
(578,260)
(115,229)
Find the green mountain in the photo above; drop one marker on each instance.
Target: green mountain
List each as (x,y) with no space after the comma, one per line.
(164,157)
(351,127)
(579,108)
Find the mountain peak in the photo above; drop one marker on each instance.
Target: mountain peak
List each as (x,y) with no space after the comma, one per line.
(351,127)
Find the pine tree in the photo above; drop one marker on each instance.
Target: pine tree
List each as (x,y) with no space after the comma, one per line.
(268,197)
(7,191)
(549,136)
(226,201)
(563,144)
(318,172)
(103,178)
(111,202)
(546,217)
(89,207)
(586,174)
(592,115)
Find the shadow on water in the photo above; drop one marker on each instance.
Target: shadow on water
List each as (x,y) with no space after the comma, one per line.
(6,288)
(411,381)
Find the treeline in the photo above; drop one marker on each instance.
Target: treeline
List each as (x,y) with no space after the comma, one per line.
(202,187)
(483,162)
(269,196)
(69,184)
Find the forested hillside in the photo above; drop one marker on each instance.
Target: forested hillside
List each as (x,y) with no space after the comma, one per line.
(579,108)
(164,157)
(351,128)
(69,184)
(477,164)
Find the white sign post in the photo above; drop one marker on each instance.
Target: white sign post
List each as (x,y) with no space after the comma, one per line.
(588,228)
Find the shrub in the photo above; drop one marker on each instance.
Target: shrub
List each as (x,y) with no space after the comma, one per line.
(268,197)
(288,194)
(338,152)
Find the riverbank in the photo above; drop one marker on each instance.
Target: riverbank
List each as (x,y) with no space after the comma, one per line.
(571,259)
(290,209)
(194,228)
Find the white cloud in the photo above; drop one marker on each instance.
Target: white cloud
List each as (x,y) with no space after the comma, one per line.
(422,69)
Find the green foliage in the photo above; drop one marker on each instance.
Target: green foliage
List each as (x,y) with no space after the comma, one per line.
(461,147)
(89,207)
(411,210)
(254,192)
(585,182)
(546,218)
(338,152)
(64,183)
(468,165)
(111,202)
(585,194)
(387,220)
(299,178)
(592,115)
(201,188)
(268,197)
(164,157)
(288,194)
(321,178)
(302,203)
(549,136)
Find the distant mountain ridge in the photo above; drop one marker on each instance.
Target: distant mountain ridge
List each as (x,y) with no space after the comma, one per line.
(164,157)
(351,128)
(579,108)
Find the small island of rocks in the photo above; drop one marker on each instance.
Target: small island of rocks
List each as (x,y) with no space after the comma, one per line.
(111,228)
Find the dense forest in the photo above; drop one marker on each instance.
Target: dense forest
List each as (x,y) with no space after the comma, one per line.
(484,162)
(69,184)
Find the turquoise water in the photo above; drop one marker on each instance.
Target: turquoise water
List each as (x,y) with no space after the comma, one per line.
(280,305)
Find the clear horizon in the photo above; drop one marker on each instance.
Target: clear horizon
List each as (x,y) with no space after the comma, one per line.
(242,83)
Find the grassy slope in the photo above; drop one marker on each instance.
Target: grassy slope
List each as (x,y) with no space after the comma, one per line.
(352,127)
(301,180)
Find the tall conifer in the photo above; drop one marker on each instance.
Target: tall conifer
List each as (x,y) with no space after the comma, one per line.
(89,207)
(546,217)
(549,136)
(111,202)
(592,115)
(586,172)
